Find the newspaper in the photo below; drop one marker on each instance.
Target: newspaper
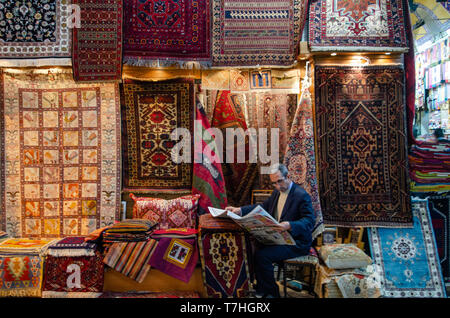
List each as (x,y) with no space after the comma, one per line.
(259,224)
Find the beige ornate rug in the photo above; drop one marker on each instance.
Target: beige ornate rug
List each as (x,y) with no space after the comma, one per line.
(62,148)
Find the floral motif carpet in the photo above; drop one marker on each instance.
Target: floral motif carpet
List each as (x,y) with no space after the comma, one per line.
(361,146)
(345,25)
(408,257)
(44,32)
(62,154)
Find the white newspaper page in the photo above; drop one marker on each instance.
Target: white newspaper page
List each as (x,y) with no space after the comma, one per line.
(263,227)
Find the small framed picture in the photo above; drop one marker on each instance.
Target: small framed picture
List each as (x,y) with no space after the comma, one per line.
(124,210)
(329,235)
(355,235)
(259,196)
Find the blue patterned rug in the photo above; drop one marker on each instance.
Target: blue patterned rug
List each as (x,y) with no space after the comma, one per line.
(407,257)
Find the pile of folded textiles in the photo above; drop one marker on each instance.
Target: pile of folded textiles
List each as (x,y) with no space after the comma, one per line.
(430,168)
(129,230)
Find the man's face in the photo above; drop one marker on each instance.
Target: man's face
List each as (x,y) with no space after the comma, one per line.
(279,182)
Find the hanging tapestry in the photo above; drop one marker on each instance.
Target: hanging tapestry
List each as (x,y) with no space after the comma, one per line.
(300,158)
(62,154)
(35,29)
(224,264)
(274,111)
(407,257)
(169,29)
(246,33)
(343,25)
(97,43)
(131,259)
(362,146)
(208,180)
(439,207)
(73,268)
(21,267)
(239,176)
(2,158)
(150,112)
(239,80)
(176,257)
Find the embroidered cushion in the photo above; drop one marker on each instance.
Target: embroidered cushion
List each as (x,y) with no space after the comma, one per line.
(176,213)
(344,256)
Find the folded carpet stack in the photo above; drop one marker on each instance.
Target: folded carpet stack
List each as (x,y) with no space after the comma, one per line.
(130,230)
(430,168)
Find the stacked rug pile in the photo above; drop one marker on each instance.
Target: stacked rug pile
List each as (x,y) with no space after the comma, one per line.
(430,168)
(130,230)
(348,273)
(73,269)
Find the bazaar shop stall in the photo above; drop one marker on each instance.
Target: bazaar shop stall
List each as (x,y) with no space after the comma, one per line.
(115,145)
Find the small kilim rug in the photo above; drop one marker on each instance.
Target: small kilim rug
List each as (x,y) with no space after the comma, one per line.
(64,145)
(345,25)
(361,146)
(44,33)
(150,112)
(439,207)
(173,29)
(21,267)
(250,32)
(224,264)
(97,43)
(408,258)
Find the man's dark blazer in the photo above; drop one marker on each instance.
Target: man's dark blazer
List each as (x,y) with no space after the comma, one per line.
(298,211)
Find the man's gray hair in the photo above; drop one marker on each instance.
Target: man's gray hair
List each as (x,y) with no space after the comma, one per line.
(279,167)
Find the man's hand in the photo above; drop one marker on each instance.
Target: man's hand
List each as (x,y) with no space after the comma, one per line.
(285,225)
(234,210)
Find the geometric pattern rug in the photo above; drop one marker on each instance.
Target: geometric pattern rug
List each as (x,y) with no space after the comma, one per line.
(98,58)
(166,30)
(62,151)
(439,207)
(225,266)
(361,146)
(346,25)
(246,32)
(44,33)
(150,112)
(407,258)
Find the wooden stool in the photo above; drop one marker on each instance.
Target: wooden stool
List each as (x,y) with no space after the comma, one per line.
(310,261)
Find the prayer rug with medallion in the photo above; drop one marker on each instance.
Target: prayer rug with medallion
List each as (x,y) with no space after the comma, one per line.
(225,266)
(345,25)
(62,154)
(150,112)
(407,258)
(97,43)
(361,146)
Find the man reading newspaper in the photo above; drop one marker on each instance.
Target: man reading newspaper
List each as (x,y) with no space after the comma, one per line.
(291,205)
